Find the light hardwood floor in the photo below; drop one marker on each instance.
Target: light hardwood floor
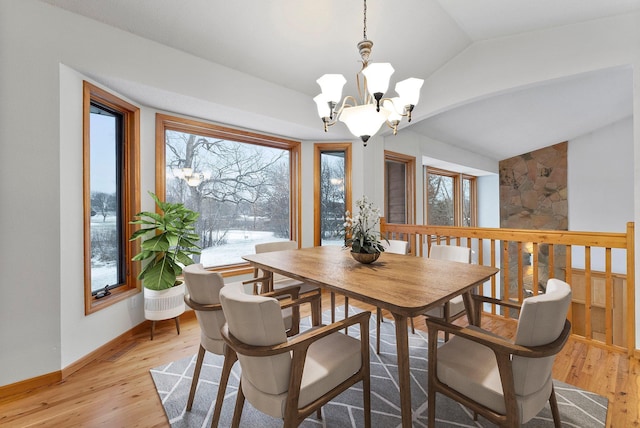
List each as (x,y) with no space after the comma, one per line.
(117,391)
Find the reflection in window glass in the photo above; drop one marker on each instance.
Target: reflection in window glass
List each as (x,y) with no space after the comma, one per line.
(332,197)
(241,190)
(396,192)
(106,228)
(440,210)
(466,202)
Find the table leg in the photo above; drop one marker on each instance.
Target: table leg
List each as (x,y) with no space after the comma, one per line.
(333,307)
(402,349)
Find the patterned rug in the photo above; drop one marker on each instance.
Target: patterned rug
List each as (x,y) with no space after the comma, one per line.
(578,408)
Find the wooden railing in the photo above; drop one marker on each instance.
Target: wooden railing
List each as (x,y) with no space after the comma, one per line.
(602,314)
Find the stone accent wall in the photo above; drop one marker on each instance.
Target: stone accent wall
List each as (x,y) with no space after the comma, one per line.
(533,190)
(533,195)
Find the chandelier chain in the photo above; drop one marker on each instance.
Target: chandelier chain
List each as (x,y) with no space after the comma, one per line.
(364,27)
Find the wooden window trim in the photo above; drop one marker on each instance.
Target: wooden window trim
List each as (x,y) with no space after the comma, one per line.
(410,167)
(457,189)
(320,148)
(166,122)
(130,196)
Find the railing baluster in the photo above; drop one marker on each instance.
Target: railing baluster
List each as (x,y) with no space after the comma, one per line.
(608,305)
(535,269)
(493,278)
(423,236)
(520,274)
(569,280)
(552,249)
(505,269)
(587,293)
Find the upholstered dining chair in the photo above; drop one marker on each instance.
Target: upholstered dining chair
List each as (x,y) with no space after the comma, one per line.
(281,281)
(290,379)
(202,295)
(394,246)
(507,382)
(454,308)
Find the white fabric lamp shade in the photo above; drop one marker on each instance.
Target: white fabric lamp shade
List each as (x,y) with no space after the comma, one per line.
(364,121)
(323,106)
(409,90)
(378,75)
(331,86)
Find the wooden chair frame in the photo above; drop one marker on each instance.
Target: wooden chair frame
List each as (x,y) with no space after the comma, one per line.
(299,346)
(503,351)
(230,357)
(266,280)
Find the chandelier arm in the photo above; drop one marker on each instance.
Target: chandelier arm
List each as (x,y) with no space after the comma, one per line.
(343,104)
(404,110)
(393,125)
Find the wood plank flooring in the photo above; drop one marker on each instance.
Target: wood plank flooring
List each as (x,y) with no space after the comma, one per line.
(117,391)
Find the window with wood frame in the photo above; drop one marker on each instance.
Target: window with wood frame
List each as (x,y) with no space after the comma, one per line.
(450,198)
(399,188)
(332,191)
(111,140)
(245,186)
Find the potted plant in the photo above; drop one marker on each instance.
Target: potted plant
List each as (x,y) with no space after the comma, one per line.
(169,241)
(360,233)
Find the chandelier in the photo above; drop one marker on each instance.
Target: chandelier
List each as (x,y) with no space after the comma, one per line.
(365,118)
(192,177)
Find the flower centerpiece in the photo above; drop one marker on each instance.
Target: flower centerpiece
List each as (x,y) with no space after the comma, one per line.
(360,233)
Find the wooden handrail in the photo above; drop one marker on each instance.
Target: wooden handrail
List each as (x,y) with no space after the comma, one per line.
(506,247)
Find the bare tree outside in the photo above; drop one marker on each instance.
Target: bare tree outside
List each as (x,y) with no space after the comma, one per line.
(103,203)
(243,192)
(332,197)
(440,200)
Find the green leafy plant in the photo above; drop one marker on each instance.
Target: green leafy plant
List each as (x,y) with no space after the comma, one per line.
(170,240)
(359,230)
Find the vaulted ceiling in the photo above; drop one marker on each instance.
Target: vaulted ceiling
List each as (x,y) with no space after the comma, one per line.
(292,42)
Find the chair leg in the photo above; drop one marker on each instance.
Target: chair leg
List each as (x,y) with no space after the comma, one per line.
(237,412)
(177,320)
(196,376)
(553,402)
(366,392)
(319,413)
(447,318)
(230,357)
(316,312)
(378,321)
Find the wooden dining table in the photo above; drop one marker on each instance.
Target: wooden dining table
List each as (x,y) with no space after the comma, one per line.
(404,285)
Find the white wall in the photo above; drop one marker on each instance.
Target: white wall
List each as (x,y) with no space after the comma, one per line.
(600,179)
(44,54)
(601,186)
(498,65)
(42,326)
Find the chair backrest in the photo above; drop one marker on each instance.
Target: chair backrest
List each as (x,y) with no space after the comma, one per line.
(257,320)
(451,253)
(204,287)
(541,321)
(276,246)
(395,246)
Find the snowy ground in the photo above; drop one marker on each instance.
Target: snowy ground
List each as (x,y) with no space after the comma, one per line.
(239,243)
